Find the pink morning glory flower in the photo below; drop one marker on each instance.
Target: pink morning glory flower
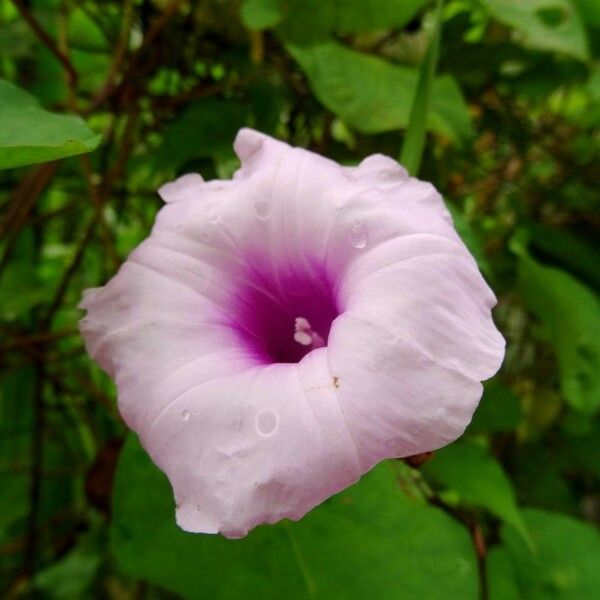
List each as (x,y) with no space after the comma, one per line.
(279,334)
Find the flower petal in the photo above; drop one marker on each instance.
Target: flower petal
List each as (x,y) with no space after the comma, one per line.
(397,401)
(267,443)
(191,330)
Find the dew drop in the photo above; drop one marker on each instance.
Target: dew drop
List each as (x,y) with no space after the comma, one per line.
(358,235)
(266,422)
(185,415)
(262,208)
(214,217)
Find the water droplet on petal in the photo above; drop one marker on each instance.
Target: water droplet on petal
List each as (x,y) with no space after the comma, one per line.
(185,415)
(266,422)
(358,235)
(262,208)
(214,217)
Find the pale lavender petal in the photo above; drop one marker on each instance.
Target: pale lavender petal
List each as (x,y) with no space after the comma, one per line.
(280,333)
(186,187)
(254,447)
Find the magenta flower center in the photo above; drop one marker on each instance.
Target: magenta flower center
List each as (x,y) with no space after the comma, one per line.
(283,316)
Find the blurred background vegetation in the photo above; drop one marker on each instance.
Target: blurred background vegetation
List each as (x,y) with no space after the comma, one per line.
(101,102)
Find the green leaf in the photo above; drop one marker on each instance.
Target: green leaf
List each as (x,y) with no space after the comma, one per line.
(539,476)
(30,134)
(570,315)
(565,564)
(373,95)
(590,12)
(204,129)
(84,33)
(499,409)
(502,579)
(369,542)
(72,577)
(544,24)
(381,14)
(309,21)
(477,477)
(567,250)
(261,14)
(414,140)
(20,290)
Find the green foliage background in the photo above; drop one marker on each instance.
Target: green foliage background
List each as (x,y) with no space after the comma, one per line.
(101,102)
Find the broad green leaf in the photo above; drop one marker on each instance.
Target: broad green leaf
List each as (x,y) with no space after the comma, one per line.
(589,11)
(203,130)
(414,140)
(544,24)
(354,17)
(501,576)
(567,250)
(499,409)
(267,101)
(570,315)
(72,577)
(373,95)
(584,450)
(565,563)
(476,476)
(539,476)
(261,14)
(309,21)
(593,85)
(369,542)
(29,134)
(84,33)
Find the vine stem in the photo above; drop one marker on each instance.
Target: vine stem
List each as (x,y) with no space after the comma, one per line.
(43,36)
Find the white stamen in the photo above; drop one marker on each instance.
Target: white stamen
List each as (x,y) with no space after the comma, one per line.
(305,335)
(304,338)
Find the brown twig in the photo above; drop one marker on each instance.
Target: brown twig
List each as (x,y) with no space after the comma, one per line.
(156,28)
(22,201)
(37,461)
(47,41)
(98,203)
(117,60)
(24,196)
(68,274)
(88,387)
(417,460)
(37,339)
(126,147)
(111,88)
(481,553)
(43,217)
